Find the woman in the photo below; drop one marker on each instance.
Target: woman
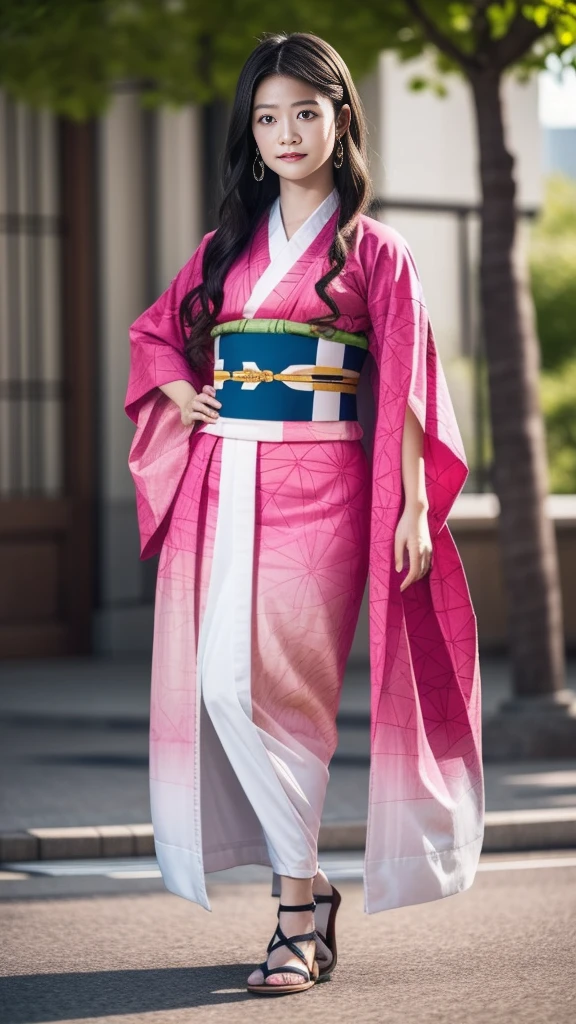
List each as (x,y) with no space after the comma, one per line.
(295,431)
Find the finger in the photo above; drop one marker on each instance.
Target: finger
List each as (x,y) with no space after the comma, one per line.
(415,560)
(415,568)
(423,559)
(205,399)
(206,410)
(399,555)
(202,415)
(408,580)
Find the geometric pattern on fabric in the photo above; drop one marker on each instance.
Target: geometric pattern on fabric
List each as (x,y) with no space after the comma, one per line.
(426,796)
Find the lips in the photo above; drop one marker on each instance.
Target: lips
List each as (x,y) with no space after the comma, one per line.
(292,156)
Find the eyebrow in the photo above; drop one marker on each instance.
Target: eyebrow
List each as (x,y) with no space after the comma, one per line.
(296,104)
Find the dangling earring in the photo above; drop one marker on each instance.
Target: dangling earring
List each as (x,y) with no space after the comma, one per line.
(261,162)
(339,153)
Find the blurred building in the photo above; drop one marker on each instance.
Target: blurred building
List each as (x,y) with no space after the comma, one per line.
(95,220)
(560,151)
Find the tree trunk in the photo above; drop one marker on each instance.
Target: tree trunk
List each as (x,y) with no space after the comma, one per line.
(527,538)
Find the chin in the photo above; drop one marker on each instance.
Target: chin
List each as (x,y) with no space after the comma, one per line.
(293,177)
(296,173)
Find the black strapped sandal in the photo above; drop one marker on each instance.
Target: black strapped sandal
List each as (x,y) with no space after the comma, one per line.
(328,940)
(310,974)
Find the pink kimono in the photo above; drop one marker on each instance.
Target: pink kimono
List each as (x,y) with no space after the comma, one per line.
(266,532)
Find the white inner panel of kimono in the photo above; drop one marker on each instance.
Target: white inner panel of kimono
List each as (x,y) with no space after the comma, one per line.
(270,772)
(284,252)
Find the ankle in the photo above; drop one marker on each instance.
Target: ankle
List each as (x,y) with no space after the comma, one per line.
(296,919)
(296,922)
(296,892)
(321,886)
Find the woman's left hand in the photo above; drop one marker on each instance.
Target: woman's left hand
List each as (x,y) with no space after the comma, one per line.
(413,532)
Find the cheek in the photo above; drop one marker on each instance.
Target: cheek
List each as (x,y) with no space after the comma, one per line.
(322,133)
(260,137)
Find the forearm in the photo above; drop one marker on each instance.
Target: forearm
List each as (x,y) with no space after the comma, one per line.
(413,475)
(180,391)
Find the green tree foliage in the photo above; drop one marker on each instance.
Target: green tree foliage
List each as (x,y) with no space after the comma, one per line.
(69,56)
(552,257)
(557,393)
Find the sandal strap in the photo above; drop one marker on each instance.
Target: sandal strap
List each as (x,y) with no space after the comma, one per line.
(324,899)
(291,943)
(305,937)
(308,937)
(301,906)
(283,940)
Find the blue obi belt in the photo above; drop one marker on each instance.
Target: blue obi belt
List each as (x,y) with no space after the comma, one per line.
(285,370)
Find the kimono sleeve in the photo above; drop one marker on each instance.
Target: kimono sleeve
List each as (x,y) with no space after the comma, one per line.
(156,343)
(410,373)
(426,802)
(160,449)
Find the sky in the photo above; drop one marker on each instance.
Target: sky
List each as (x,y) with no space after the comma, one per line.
(557,101)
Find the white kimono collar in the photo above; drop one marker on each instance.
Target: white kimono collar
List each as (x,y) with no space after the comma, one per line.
(285,252)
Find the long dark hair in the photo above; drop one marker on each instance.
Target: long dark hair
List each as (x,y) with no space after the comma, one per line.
(297,55)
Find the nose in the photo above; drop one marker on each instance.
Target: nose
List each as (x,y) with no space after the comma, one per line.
(287,133)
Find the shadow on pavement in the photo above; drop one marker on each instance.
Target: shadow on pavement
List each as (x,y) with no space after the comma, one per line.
(51,997)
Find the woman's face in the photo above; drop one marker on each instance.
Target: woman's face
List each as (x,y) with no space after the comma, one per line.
(290,116)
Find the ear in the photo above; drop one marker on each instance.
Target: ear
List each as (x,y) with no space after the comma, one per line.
(343,120)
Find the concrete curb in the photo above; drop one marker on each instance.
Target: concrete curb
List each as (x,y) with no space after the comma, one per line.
(75,843)
(505,831)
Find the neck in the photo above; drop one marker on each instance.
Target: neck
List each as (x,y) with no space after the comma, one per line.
(298,200)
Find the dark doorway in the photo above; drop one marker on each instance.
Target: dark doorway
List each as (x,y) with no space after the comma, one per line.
(47,384)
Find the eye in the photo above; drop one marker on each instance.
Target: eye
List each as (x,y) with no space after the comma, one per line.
(312,112)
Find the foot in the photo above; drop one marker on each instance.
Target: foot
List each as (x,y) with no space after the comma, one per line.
(322,887)
(292,923)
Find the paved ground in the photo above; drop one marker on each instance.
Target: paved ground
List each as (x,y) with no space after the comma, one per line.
(500,952)
(74,747)
(92,941)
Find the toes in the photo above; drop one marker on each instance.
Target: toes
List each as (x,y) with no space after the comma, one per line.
(256,978)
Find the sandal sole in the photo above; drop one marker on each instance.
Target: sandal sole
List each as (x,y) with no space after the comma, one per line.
(280,990)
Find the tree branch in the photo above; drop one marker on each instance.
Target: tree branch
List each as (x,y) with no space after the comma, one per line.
(520,38)
(481,29)
(436,36)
